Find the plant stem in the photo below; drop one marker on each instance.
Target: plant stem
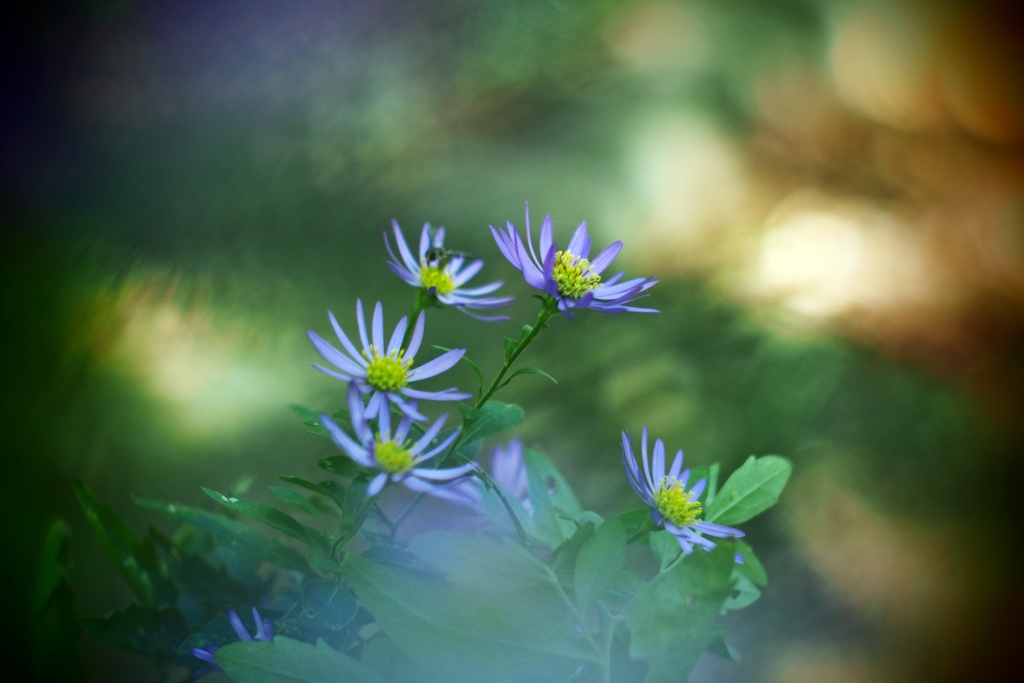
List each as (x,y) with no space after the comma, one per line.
(549,309)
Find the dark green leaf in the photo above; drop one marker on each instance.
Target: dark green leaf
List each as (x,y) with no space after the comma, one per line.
(342,465)
(53,624)
(272,517)
(284,660)
(751,489)
(201,580)
(232,534)
(152,631)
(137,560)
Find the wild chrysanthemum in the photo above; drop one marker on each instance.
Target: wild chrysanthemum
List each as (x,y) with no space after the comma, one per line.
(508,469)
(264,631)
(396,456)
(385,372)
(567,275)
(443,274)
(673,506)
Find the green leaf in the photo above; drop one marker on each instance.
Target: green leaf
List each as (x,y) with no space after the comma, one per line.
(665,547)
(751,489)
(272,517)
(601,558)
(295,499)
(744,593)
(137,560)
(672,620)
(232,534)
(554,503)
(342,465)
(492,418)
(308,416)
(201,580)
(324,610)
(528,371)
(751,567)
(284,660)
(512,621)
(53,622)
(476,368)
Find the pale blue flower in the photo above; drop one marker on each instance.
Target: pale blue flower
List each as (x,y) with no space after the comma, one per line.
(396,457)
(568,276)
(384,372)
(443,274)
(508,470)
(673,506)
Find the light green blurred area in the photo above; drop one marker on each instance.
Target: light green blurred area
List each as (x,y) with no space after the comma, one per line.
(220,177)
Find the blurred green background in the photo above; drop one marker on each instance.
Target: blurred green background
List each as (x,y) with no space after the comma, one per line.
(830,193)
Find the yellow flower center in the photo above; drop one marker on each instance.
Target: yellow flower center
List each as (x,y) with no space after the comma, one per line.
(674,504)
(387,373)
(437,278)
(392,457)
(573,276)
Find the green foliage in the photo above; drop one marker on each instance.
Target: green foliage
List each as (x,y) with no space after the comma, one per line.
(672,620)
(290,661)
(751,490)
(53,620)
(533,588)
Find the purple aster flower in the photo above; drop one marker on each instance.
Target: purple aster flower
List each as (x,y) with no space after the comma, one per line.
(264,631)
(567,275)
(673,506)
(395,456)
(441,273)
(384,372)
(508,469)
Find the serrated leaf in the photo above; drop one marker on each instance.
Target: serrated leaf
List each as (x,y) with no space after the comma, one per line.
(272,517)
(751,489)
(284,660)
(232,534)
(201,580)
(600,560)
(136,559)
